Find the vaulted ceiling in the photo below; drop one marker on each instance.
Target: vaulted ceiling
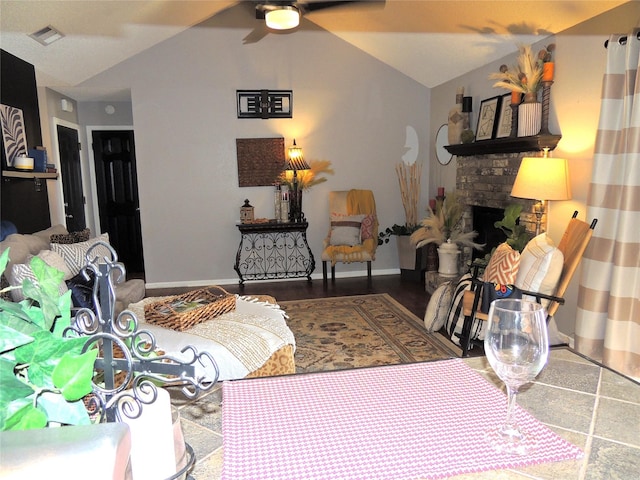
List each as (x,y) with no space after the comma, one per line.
(431,41)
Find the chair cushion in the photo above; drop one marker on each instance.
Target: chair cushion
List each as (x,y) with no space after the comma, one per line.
(74,254)
(438,307)
(540,266)
(345,230)
(503,265)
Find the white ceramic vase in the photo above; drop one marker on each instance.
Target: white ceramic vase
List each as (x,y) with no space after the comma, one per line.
(448,254)
(529,119)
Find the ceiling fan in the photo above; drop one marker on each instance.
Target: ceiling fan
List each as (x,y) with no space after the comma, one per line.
(285,15)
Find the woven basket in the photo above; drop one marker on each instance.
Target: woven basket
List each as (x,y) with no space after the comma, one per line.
(184,311)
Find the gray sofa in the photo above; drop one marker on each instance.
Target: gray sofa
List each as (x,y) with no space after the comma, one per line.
(23,246)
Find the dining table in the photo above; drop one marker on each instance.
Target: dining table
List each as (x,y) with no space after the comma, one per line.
(416,421)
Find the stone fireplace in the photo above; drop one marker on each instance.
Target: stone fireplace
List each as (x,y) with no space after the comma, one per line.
(483,184)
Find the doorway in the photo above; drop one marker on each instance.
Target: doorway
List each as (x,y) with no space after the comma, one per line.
(71,171)
(117,193)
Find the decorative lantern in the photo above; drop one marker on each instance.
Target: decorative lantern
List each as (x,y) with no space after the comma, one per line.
(246,213)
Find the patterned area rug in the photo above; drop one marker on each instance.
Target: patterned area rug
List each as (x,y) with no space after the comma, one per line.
(359,331)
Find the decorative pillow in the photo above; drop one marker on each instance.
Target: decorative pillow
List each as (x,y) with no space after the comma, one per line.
(345,230)
(366,228)
(503,265)
(21,271)
(73,237)
(540,266)
(56,261)
(455,317)
(438,307)
(74,254)
(82,290)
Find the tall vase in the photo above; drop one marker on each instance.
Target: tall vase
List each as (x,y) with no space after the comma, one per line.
(529,116)
(448,259)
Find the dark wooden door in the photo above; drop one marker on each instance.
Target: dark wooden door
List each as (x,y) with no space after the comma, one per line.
(71,170)
(117,189)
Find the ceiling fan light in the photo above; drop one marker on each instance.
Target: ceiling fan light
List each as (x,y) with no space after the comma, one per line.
(283,18)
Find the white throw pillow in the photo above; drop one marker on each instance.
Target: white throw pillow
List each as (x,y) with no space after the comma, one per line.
(74,254)
(345,230)
(438,307)
(540,266)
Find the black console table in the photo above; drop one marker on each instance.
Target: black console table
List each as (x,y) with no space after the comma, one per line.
(269,251)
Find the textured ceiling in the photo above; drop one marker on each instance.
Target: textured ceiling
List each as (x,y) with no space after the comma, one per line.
(450,36)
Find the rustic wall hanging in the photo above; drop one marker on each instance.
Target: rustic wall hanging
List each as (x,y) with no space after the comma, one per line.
(260,161)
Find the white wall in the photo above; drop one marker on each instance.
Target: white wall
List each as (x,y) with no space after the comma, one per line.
(574,113)
(347,108)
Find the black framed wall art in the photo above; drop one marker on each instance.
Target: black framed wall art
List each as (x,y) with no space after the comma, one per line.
(487,118)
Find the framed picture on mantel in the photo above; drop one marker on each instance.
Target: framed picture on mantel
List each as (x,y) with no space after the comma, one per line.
(504,117)
(487,118)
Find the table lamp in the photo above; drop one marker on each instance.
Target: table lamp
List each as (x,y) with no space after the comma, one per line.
(541,179)
(296,162)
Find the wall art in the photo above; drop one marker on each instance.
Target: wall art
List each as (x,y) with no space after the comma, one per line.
(487,118)
(264,103)
(504,117)
(14,139)
(260,161)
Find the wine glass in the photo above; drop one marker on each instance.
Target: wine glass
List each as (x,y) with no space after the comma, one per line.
(516,344)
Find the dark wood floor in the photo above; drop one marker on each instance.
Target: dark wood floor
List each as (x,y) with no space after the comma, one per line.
(411,294)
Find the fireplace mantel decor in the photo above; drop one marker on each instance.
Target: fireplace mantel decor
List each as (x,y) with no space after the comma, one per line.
(505,145)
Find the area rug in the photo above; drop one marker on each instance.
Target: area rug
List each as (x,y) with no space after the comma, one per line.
(339,333)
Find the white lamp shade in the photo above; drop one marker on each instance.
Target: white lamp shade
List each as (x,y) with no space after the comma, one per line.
(283,18)
(542,178)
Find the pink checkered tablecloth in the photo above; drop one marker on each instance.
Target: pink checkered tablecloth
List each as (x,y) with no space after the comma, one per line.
(417,421)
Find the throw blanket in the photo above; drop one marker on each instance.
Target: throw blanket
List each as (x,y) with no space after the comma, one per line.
(240,341)
(358,202)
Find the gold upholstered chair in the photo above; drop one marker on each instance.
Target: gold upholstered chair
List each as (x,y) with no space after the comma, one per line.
(353,233)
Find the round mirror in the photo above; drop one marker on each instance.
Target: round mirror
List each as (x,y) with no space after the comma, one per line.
(442,139)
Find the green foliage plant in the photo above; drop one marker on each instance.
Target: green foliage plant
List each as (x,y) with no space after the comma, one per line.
(395,229)
(44,376)
(517,235)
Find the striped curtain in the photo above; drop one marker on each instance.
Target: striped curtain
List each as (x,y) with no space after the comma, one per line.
(608,318)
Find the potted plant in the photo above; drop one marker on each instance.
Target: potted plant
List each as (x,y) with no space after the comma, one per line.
(445,228)
(44,376)
(517,235)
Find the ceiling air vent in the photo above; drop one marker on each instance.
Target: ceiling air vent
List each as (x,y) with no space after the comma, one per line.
(47,35)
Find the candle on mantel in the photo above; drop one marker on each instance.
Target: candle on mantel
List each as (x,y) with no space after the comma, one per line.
(152,447)
(441,191)
(548,69)
(515,97)
(432,204)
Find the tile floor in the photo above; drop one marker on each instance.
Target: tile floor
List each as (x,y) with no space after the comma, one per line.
(589,405)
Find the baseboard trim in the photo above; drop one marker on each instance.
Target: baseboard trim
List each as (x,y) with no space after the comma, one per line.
(233,281)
